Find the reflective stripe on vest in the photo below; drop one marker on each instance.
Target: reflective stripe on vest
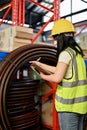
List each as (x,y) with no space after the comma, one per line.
(71,101)
(73,84)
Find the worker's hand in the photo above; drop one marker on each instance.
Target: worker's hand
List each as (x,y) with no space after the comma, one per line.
(34,62)
(42,75)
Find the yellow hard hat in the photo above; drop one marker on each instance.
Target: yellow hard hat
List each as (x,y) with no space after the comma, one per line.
(62,26)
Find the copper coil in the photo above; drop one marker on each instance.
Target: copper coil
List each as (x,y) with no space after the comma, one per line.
(14,97)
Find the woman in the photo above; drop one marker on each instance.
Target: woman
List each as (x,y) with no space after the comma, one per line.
(70,74)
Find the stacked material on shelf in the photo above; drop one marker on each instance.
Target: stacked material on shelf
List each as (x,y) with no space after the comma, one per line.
(85,53)
(46,111)
(14,37)
(83,40)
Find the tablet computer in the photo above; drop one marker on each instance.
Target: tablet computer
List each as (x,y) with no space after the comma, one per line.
(40,69)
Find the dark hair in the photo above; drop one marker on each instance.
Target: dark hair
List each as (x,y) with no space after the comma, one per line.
(67,41)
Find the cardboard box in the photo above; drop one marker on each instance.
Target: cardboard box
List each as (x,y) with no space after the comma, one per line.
(17,31)
(24,35)
(84,52)
(15,37)
(46,106)
(22,32)
(9,44)
(44,88)
(46,113)
(17,42)
(83,40)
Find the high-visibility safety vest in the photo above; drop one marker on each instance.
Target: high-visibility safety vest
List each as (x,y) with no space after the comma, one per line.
(71,95)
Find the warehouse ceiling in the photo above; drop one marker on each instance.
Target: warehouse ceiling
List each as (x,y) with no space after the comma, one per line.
(33,14)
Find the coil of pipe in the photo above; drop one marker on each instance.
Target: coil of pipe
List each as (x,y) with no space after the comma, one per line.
(15,113)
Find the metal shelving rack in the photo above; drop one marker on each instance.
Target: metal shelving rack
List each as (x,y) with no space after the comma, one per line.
(18,14)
